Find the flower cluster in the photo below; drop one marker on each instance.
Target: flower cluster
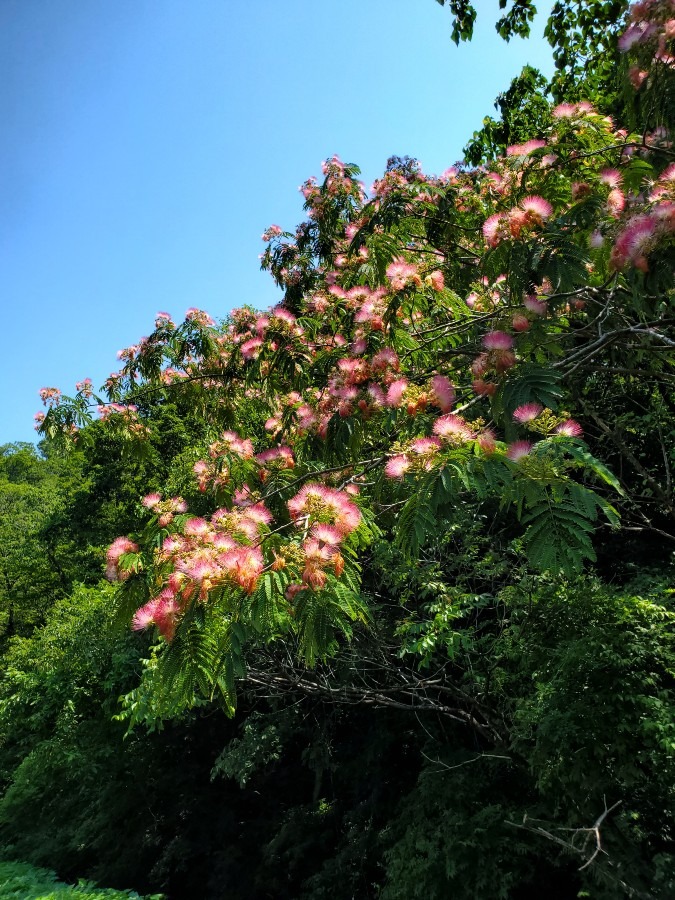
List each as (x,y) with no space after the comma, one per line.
(408,321)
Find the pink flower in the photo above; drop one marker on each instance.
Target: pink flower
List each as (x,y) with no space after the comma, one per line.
(538,208)
(437,280)
(119,546)
(487,442)
(493,230)
(518,449)
(497,340)
(453,428)
(616,202)
(384,359)
(327,534)
(444,392)
(145,616)
(198,316)
(564,111)
(520,322)
(251,349)
(528,412)
(320,502)
(525,149)
(569,428)
(425,445)
(397,466)
(150,501)
(534,305)
(400,273)
(611,177)
(196,527)
(282,457)
(396,391)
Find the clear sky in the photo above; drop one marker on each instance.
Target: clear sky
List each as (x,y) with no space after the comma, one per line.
(146,144)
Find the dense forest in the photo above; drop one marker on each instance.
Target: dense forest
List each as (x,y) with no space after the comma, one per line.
(371,595)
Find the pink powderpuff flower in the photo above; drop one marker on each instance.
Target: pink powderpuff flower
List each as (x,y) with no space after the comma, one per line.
(453,428)
(518,449)
(377,396)
(175,543)
(223,542)
(317,553)
(444,392)
(396,391)
(487,442)
(633,242)
(119,546)
(611,177)
(400,273)
(245,566)
(564,111)
(384,359)
(251,349)
(538,208)
(425,445)
(196,527)
(497,340)
(234,444)
(668,175)
(150,501)
(306,417)
(484,388)
(493,230)
(569,428)
(259,514)
(527,412)
(281,456)
(269,233)
(636,33)
(525,149)
(637,77)
(517,220)
(520,322)
(84,386)
(397,466)
(198,316)
(165,615)
(317,501)
(327,534)
(437,280)
(535,305)
(616,202)
(50,396)
(145,616)
(283,314)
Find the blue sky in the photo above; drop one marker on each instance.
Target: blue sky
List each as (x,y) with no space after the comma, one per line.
(146,145)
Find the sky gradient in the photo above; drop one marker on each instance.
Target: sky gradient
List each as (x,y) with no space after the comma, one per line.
(146,146)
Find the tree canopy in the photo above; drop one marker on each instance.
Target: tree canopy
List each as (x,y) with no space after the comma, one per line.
(414,525)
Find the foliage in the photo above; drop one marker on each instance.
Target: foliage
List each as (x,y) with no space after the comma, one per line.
(24,882)
(366,522)
(35,567)
(496,293)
